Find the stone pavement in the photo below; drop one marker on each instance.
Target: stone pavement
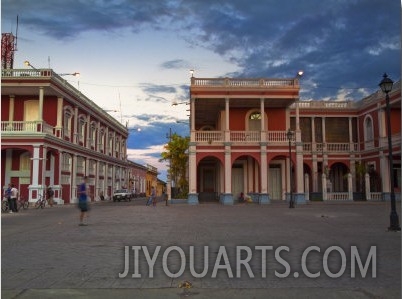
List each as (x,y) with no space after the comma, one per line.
(45,254)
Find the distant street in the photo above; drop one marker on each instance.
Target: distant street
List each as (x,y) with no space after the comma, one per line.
(45,254)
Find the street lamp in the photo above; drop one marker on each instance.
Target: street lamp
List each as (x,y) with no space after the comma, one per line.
(27,63)
(386,86)
(289,135)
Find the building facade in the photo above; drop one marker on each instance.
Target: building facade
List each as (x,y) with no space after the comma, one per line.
(52,135)
(255,136)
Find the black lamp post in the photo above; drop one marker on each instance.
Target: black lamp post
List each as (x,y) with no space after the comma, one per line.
(289,135)
(386,86)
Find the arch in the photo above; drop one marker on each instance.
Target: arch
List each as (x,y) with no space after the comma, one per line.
(368,129)
(246,175)
(248,118)
(210,178)
(338,177)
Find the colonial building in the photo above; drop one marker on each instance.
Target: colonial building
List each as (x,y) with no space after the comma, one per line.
(53,135)
(255,136)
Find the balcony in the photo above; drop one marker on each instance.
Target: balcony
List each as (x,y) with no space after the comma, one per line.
(243,137)
(25,127)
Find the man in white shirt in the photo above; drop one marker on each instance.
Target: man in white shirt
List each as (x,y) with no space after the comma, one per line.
(14,196)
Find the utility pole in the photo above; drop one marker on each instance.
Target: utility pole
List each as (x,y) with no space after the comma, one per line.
(169,180)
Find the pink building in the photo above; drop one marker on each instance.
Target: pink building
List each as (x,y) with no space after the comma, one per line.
(52,135)
(239,143)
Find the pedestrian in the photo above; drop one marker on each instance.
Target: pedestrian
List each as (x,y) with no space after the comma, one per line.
(83,201)
(13,201)
(151,199)
(153,196)
(49,195)
(7,194)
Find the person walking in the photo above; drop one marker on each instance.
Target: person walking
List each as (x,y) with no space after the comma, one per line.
(13,201)
(82,201)
(49,195)
(153,196)
(7,194)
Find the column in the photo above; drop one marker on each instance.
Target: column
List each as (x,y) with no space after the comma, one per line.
(227,116)
(73,195)
(34,187)
(75,134)
(192,119)
(59,121)
(384,173)
(41,94)
(263,196)
(314,156)
(192,161)
(352,154)
(262,111)
(88,131)
(11,108)
(299,194)
(227,196)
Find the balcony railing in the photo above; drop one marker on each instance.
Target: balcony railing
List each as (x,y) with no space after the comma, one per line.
(238,83)
(240,136)
(12,127)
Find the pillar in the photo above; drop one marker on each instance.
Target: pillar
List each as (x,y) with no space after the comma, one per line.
(264,197)
(192,178)
(227,196)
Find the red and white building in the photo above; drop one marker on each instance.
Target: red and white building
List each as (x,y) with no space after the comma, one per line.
(53,135)
(239,143)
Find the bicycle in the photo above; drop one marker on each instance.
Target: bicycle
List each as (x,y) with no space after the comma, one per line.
(41,202)
(22,202)
(4,205)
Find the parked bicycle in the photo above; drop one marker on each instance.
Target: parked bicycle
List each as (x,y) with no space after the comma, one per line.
(41,202)
(4,205)
(22,203)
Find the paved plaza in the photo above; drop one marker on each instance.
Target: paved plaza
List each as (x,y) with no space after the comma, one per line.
(45,254)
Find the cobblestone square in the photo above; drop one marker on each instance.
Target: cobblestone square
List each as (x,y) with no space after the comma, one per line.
(45,254)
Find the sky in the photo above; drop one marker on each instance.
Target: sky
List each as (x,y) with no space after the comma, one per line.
(134,56)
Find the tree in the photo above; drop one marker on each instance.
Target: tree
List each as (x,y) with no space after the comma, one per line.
(176,153)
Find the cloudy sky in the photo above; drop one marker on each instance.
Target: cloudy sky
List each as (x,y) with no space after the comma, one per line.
(134,56)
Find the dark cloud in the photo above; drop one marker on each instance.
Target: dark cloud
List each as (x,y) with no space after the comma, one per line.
(340,44)
(176,64)
(153,88)
(156,132)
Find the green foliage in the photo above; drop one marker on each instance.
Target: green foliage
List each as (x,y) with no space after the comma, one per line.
(176,152)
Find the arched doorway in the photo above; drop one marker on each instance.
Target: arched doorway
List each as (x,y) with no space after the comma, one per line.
(209,179)
(338,177)
(245,177)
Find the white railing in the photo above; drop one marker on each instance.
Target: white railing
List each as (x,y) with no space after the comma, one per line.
(233,82)
(338,147)
(324,105)
(338,196)
(331,147)
(277,136)
(240,136)
(21,126)
(209,136)
(245,136)
(377,196)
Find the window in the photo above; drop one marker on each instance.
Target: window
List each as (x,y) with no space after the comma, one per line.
(254,121)
(67,123)
(66,162)
(81,130)
(255,115)
(80,165)
(25,162)
(92,134)
(368,129)
(102,141)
